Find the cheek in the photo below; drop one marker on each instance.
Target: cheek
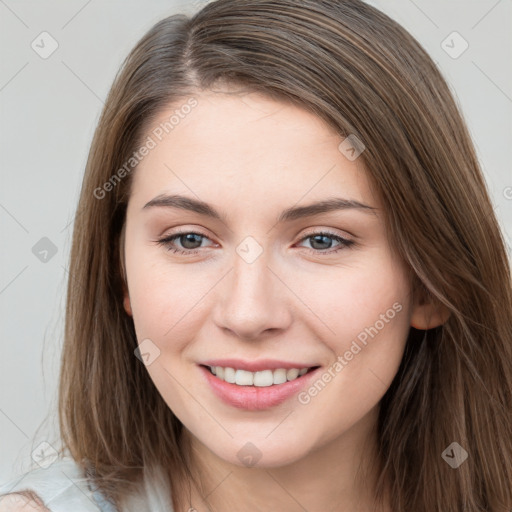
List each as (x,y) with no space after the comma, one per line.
(368,312)
(365,312)
(166,300)
(167,309)
(358,376)
(346,301)
(349,301)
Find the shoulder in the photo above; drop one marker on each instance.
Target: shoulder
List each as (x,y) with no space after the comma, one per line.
(23,501)
(61,487)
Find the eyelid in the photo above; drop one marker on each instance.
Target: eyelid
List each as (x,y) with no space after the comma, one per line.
(193,231)
(329,231)
(309,232)
(343,241)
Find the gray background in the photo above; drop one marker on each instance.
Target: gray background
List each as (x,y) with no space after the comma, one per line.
(48,112)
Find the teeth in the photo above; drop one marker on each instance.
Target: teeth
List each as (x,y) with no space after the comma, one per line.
(292,374)
(229,374)
(243,378)
(262,378)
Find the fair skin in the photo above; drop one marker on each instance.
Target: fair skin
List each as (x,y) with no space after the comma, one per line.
(22,502)
(250,158)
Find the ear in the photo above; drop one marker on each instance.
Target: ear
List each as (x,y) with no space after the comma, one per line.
(126,303)
(427,314)
(126,296)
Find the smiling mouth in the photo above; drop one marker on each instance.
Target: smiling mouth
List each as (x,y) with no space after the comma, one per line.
(263,378)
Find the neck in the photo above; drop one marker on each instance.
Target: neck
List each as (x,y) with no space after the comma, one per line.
(340,476)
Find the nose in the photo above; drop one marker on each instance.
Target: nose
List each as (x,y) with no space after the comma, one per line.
(252,301)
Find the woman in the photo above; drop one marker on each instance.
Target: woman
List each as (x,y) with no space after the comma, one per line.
(258,369)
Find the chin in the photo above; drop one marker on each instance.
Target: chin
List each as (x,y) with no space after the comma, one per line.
(259,453)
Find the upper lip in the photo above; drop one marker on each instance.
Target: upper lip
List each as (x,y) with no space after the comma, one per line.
(256,366)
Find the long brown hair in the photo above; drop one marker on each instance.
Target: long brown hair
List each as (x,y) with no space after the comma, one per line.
(364,74)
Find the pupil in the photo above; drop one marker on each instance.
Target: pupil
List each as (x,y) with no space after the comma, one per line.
(192,238)
(320,237)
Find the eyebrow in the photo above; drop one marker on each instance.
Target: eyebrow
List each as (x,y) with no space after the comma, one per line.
(293,213)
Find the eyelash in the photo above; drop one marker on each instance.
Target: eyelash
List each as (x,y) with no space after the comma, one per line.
(344,243)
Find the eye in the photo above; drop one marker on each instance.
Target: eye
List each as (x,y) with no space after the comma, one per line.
(321,242)
(189,241)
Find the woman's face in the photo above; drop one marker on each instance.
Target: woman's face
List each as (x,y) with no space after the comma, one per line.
(270,284)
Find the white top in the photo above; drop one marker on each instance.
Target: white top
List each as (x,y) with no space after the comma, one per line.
(63,487)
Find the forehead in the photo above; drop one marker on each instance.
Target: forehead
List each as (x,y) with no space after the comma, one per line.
(237,144)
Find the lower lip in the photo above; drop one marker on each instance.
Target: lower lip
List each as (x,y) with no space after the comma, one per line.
(255,398)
